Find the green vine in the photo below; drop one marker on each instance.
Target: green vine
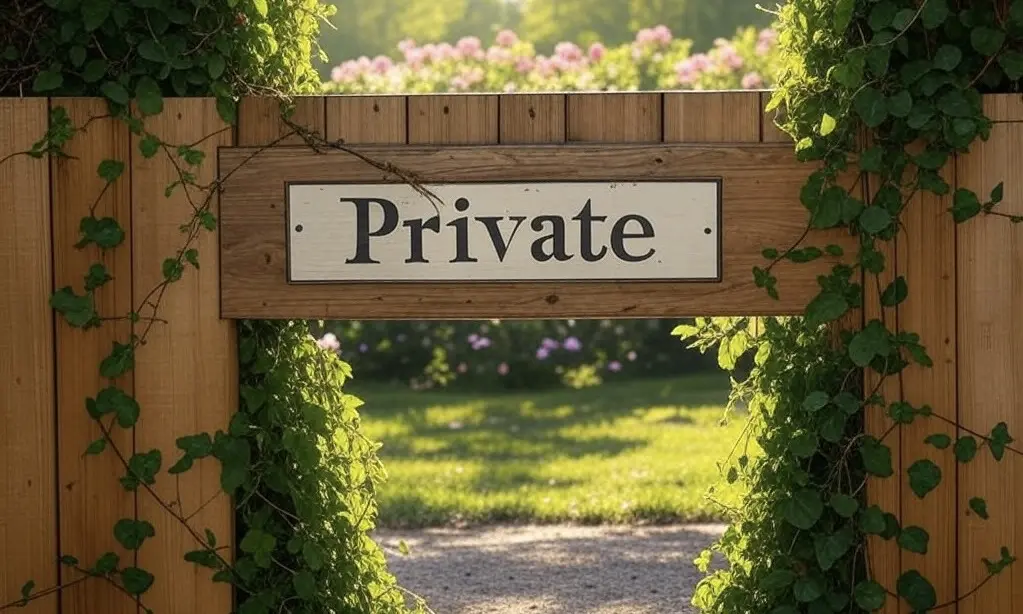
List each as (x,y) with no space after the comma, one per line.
(302,475)
(880,94)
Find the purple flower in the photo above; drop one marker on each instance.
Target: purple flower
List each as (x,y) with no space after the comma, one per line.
(549,344)
(573,345)
(614,366)
(542,353)
(481,343)
(473,338)
(503,368)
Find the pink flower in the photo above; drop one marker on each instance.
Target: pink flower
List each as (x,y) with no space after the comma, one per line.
(499,55)
(573,344)
(752,81)
(507,38)
(699,62)
(614,366)
(542,353)
(662,35)
(685,72)
(329,342)
(470,47)
(503,368)
(337,74)
(405,45)
(549,344)
(729,57)
(569,52)
(646,36)
(524,65)
(382,64)
(597,52)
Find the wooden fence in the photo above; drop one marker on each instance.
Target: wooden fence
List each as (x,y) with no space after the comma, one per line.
(964,285)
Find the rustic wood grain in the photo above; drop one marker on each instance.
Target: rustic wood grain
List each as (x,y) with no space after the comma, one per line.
(453,119)
(532,118)
(28,496)
(186,375)
(884,557)
(712,117)
(989,274)
(91,498)
(619,118)
(260,120)
(253,232)
(374,120)
(769,130)
(927,259)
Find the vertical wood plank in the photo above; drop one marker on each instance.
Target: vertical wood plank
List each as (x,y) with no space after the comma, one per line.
(186,375)
(989,292)
(712,117)
(367,120)
(614,118)
(532,118)
(453,120)
(884,558)
(28,497)
(260,122)
(91,498)
(926,258)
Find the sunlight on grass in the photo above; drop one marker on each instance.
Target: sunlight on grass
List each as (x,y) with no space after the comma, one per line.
(633,452)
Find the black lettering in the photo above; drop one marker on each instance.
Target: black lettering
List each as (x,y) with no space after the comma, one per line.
(415,232)
(362,231)
(556,237)
(618,236)
(496,238)
(586,219)
(461,226)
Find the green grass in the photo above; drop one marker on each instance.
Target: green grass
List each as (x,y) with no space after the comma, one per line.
(644,451)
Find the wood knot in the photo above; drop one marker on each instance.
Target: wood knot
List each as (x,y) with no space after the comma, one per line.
(446,110)
(376,108)
(552,299)
(532,113)
(659,160)
(267,258)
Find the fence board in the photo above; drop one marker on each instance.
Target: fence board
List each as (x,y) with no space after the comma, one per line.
(712,117)
(926,258)
(186,374)
(989,273)
(453,120)
(376,120)
(532,118)
(884,557)
(28,497)
(91,498)
(619,118)
(260,122)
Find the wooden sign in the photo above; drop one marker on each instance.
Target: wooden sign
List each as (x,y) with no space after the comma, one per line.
(522,231)
(441,257)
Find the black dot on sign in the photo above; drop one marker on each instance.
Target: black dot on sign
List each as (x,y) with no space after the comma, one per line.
(298,228)
(707,231)
(462,204)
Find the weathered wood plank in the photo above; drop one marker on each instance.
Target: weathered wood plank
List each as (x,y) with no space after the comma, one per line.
(619,118)
(28,495)
(453,119)
(91,498)
(532,118)
(375,120)
(253,238)
(989,274)
(261,122)
(186,375)
(712,117)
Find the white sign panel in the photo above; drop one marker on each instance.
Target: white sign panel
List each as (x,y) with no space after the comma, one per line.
(522,231)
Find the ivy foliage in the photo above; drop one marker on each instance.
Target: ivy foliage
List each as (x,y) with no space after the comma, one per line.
(879,95)
(302,475)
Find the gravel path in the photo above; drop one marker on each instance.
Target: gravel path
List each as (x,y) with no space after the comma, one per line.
(553,570)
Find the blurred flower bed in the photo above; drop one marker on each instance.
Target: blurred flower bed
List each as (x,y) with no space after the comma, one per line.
(511,354)
(655,60)
(537,354)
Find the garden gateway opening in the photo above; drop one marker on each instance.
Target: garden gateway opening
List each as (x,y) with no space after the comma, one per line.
(258,265)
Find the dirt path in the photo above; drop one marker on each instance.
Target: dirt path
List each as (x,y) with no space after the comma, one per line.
(553,570)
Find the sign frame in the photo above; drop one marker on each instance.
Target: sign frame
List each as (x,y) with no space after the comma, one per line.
(718,243)
(760,206)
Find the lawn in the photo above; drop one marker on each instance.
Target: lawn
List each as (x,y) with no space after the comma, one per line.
(643,451)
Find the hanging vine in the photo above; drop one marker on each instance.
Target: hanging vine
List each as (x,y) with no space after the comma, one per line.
(883,92)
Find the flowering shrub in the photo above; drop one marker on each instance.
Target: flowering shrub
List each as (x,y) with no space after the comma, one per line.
(510,354)
(654,60)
